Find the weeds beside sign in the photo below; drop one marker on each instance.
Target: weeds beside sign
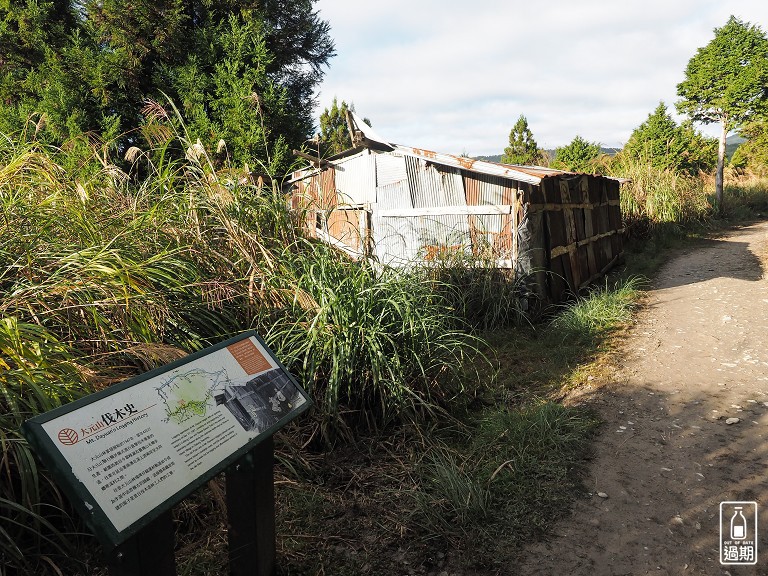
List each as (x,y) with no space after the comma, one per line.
(129,453)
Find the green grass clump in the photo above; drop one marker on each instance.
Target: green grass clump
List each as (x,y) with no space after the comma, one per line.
(604,309)
(376,344)
(37,374)
(517,472)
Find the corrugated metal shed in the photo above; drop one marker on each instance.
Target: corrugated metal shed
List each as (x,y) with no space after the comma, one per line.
(406,206)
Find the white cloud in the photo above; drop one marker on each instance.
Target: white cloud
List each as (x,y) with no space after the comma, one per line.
(454,77)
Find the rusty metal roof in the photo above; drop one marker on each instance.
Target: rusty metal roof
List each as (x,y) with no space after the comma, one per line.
(373,141)
(531,174)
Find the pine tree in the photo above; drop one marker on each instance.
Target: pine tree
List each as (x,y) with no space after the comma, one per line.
(522,147)
(241,71)
(334,133)
(31,34)
(577,156)
(663,144)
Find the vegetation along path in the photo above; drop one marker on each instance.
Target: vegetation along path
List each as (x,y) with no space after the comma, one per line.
(696,359)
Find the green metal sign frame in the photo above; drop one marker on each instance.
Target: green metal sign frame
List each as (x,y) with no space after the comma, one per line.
(79,487)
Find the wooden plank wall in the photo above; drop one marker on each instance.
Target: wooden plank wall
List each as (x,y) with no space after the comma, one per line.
(582,230)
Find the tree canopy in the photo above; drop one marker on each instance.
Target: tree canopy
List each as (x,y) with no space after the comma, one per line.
(334,133)
(752,155)
(577,156)
(664,144)
(726,82)
(243,72)
(522,148)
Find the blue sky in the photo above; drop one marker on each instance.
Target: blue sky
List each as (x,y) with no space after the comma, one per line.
(454,76)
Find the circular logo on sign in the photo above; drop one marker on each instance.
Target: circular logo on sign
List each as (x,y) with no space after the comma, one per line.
(67,436)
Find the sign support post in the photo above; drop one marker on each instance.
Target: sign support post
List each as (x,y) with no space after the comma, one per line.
(149,551)
(251,512)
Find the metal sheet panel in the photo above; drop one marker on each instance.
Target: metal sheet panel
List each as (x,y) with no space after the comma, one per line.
(529,174)
(395,240)
(436,186)
(424,182)
(394,195)
(356,179)
(390,168)
(491,234)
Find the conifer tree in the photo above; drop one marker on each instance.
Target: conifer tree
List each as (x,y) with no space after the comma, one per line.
(522,147)
(334,133)
(577,156)
(240,71)
(663,144)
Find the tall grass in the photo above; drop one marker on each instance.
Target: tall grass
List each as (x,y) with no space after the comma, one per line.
(745,196)
(107,271)
(655,197)
(37,374)
(375,344)
(480,293)
(516,473)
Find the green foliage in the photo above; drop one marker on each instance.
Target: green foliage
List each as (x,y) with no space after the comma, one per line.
(654,198)
(227,96)
(334,132)
(379,345)
(37,374)
(482,295)
(752,155)
(103,275)
(725,81)
(602,310)
(664,145)
(577,156)
(522,147)
(245,73)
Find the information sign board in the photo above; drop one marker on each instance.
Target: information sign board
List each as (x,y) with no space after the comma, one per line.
(129,453)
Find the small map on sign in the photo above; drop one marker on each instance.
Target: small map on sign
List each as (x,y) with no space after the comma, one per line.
(189,394)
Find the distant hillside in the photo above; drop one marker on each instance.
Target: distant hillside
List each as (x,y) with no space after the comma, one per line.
(731,143)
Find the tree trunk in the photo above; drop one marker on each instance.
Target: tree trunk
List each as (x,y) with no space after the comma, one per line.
(720,166)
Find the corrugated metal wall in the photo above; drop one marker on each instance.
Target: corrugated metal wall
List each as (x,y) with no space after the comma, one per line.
(396,239)
(356,179)
(561,233)
(438,186)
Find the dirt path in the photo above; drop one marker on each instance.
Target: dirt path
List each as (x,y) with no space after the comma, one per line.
(697,356)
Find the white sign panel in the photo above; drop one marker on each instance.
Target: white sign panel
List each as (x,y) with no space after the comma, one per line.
(130,452)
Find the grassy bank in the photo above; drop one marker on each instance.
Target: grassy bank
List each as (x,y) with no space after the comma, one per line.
(107,271)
